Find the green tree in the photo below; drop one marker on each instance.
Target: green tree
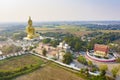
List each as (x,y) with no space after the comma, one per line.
(82,59)
(30,48)
(115,71)
(67,58)
(46,40)
(76,43)
(77,46)
(44,52)
(90,63)
(54,43)
(103,69)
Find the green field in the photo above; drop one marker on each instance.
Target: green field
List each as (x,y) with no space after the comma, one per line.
(16,66)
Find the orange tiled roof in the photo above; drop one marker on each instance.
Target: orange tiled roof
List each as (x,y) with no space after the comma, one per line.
(103,48)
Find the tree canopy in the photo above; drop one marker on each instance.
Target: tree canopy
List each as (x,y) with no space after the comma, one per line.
(67,58)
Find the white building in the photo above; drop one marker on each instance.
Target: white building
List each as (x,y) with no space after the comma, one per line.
(63,45)
(41,37)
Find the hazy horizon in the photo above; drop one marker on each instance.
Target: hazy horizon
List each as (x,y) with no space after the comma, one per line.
(59,10)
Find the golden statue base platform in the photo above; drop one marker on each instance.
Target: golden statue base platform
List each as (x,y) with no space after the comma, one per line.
(28,39)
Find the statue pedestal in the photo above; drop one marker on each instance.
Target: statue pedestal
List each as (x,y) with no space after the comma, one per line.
(27,39)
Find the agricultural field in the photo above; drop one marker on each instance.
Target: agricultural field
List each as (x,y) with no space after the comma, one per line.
(15,66)
(75,30)
(107,31)
(19,62)
(51,71)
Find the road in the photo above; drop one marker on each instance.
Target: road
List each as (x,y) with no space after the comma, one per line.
(77,64)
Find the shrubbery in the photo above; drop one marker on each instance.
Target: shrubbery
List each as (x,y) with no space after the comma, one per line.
(82,60)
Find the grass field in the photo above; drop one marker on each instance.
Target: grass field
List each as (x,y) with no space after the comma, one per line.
(16,66)
(50,72)
(15,63)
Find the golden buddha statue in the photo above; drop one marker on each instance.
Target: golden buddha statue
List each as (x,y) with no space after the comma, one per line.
(30,30)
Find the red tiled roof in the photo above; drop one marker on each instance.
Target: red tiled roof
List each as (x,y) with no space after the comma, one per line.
(103,48)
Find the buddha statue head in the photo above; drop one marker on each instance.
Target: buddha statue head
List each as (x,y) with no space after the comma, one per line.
(30,21)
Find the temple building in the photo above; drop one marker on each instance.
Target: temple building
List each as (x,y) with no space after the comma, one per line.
(101,50)
(65,46)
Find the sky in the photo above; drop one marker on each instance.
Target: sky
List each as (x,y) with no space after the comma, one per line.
(59,10)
